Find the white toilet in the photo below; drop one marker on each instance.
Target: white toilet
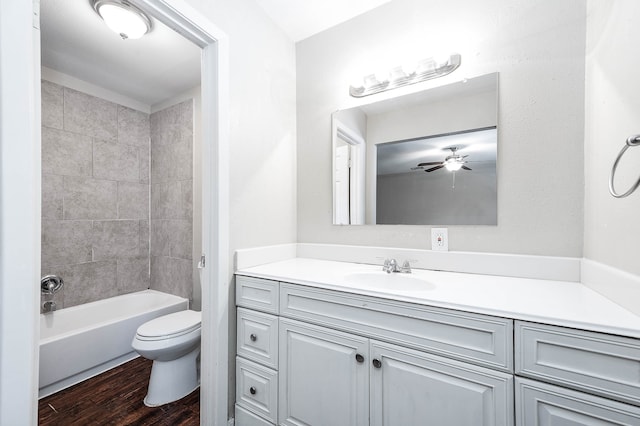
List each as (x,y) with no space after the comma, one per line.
(173,343)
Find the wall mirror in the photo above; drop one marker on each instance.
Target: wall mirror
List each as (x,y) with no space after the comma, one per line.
(427,158)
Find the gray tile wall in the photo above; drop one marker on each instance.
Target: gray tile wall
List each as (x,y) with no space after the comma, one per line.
(95,195)
(171,227)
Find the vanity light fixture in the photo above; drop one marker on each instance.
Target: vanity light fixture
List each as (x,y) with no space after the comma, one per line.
(123,18)
(427,69)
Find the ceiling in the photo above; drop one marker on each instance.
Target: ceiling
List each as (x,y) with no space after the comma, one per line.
(303,18)
(152,69)
(162,64)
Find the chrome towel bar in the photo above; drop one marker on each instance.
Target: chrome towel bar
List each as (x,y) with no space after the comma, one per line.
(631,141)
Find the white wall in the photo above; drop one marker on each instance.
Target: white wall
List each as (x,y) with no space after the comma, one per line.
(262,132)
(612,226)
(262,112)
(538,49)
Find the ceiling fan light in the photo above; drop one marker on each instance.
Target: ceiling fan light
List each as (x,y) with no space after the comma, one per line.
(122,18)
(453,166)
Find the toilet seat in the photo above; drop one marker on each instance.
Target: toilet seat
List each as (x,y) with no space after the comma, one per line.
(169,326)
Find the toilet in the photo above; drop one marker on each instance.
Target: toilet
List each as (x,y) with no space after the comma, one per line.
(172,342)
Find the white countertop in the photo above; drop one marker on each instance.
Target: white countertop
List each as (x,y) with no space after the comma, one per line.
(564,303)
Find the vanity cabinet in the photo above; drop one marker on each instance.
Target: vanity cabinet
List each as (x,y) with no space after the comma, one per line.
(355,360)
(313,356)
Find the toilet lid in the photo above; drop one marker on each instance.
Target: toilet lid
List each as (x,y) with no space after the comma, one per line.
(167,326)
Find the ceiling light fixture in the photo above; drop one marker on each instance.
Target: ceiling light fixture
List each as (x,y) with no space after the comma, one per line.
(398,77)
(453,164)
(123,18)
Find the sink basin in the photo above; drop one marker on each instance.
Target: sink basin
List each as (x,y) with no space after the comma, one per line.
(394,281)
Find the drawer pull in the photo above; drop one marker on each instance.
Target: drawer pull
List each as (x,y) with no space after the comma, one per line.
(377,363)
(359,358)
(252,390)
(253,337)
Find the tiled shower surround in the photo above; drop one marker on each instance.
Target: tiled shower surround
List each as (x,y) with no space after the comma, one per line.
(172,199)
(97,171)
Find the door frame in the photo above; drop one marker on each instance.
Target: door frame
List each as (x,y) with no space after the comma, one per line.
(20,204)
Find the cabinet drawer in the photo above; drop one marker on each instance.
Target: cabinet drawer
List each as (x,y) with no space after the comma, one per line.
(258,337)
(256,293)
(595,362)
(541,404)
(247,418)
(257,389)
(479,339)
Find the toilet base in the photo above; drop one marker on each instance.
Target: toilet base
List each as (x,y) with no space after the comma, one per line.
(173,380)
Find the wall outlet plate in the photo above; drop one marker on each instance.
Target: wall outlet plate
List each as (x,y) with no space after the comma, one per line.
(439,239)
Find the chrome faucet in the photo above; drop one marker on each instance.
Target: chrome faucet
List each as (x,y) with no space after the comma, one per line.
(391,265)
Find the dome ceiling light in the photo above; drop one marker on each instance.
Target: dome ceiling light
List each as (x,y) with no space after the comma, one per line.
(123,18)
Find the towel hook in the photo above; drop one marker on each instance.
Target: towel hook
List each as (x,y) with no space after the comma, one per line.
(631,141)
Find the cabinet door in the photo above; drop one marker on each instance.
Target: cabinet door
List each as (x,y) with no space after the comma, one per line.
(540,404)
(414,388)
(324,376)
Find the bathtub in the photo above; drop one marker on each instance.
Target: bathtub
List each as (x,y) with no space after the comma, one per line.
(85,340)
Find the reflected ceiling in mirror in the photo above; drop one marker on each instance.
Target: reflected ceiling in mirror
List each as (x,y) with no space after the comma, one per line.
(428,158)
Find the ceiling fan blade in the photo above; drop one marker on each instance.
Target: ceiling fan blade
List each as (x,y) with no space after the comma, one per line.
(430,164)
(466,168)
(434,168)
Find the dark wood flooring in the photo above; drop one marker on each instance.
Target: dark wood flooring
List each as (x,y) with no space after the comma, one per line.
(115,398)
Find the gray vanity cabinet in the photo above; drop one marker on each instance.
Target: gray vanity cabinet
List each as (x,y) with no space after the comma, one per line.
(353,360)
(328,377)
(313,356)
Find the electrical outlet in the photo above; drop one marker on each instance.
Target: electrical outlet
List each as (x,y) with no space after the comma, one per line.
(439,239)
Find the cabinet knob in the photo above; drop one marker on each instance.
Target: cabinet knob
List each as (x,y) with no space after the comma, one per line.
(359,358)
(377,363)
(252,390)
(253,337)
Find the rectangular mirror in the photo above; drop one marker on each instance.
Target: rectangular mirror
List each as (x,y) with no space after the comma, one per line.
(427,158)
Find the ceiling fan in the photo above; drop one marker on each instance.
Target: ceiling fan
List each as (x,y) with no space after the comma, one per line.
(453,162)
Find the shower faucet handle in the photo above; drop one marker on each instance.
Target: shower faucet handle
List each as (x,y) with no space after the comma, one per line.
(51,284)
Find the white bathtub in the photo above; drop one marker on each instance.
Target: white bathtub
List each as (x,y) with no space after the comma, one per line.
(85,340)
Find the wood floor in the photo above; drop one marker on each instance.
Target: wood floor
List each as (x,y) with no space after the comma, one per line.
(115,398)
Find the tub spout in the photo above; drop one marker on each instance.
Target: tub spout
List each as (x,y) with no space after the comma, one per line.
(48,306)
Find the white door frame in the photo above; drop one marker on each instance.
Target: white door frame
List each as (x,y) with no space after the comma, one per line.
(20,206)
(357,175)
